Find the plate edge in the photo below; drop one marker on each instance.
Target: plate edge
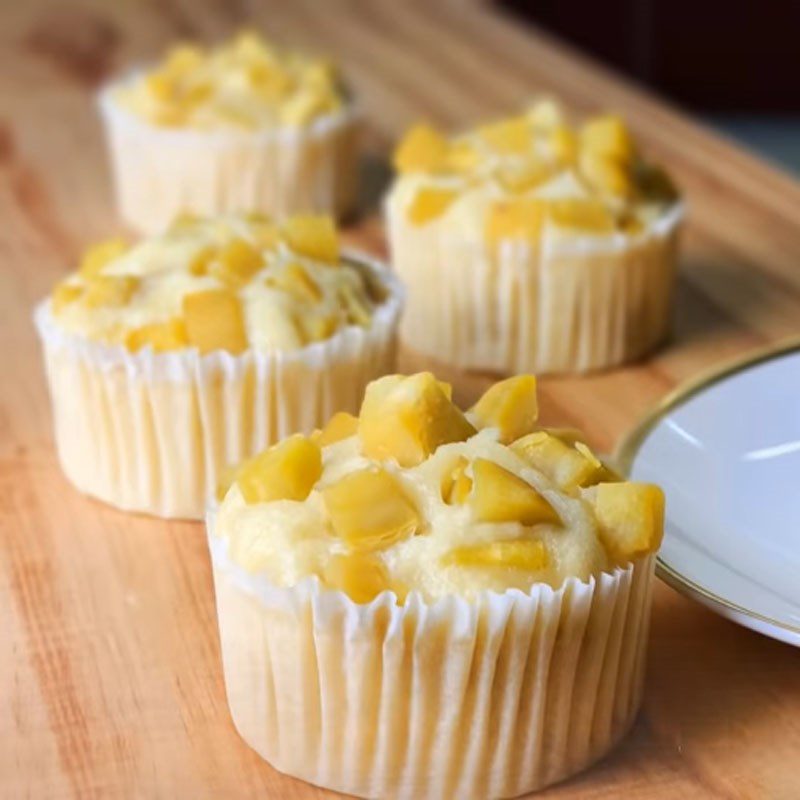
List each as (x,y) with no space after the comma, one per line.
(632,441)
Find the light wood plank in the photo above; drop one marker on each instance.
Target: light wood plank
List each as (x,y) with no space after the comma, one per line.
(112,678)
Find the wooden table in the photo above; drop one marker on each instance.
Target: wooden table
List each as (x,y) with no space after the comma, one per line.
(110,676)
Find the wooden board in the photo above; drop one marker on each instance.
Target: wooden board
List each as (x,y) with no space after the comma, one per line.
(110,676)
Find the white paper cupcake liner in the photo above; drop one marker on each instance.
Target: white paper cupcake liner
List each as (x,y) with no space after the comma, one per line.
(454,699)
(151,432)
(572,305)
(160,172)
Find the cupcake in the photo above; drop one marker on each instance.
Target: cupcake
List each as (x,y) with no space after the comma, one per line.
(239,127)
(426,603)
(190,351)
(532,245)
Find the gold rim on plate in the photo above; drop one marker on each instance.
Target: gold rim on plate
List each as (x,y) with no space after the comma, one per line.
(632,442)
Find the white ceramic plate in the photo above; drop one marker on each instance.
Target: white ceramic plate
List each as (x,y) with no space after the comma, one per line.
(726,450)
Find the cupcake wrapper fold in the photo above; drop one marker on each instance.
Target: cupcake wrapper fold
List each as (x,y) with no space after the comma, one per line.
(161,172)
(570,305)
(151,432)
(493,697)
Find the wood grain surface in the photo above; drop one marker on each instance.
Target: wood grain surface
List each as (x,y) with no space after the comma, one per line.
(110,674)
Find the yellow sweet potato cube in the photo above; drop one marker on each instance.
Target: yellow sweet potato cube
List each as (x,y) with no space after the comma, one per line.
(516,218)
(340,426)
(200,262)
(456,484)
(630,518)
(161,86)
(522,554)
(509,136)
(501,496)
(408,418)
(429,203)
(518,179)
(361,576)
(183,58)
(286,471)
(97,256)
(161,336)
(313,236)
(566,466)
(608,136)
(461,157)
(64,294)
(422,149)
(606,175)
(587,215)
(563,144)
(236,262)
(109,290)
(510,406)
(369,509)
(214,321)
(303,106)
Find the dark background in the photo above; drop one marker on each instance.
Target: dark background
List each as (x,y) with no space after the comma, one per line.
(737,63)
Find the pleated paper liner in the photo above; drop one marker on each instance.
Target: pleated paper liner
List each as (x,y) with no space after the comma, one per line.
(161,172)
(493,697)
(571,305)
(151,432)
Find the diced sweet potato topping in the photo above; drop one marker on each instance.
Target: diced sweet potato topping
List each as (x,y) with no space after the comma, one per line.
(509,136)
(561,462)
(501,496)
(510,406)
(369,509)
(430,203)
(287,471)
(236,262)
(407,419)
(630,517)
(99,255)
(313,236)
(423,149)
(64,294)
(214,321)
(581,214)
(109,290)
(564,145)
(361,576)
(461,157)
(518,179)
(608,137)
(606,175)
(523,554)
(340,426)
(161,336)
(201,261)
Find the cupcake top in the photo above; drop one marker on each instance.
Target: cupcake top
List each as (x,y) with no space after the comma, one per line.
(244,83)
(415,495)
(529,174)
(218,284)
